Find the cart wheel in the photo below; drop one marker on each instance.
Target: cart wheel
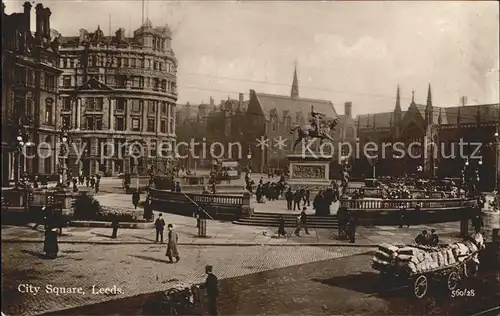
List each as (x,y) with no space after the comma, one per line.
(453,280)
(420,286)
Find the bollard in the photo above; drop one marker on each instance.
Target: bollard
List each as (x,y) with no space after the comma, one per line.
(115,225)
(202,228)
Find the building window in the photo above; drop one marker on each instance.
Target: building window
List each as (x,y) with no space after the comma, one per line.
(66,104)
(133,62)
(93,123)
(119,124)
(288,123)
(156,84)
(163,126)
(72,63)
(125,62)
(120,105)
(66,82)
(274,123)
(164,85)
(151,125)
(136,124)
(66,120)
(164,108)
(95,104)
(31,78)
(136,105)
(65,63)
(151,106)
(49,111)
(110,80)
(155,65)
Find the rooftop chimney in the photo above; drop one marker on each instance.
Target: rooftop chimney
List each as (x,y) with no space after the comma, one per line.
(120,34)
(463,100)
(39,21)
(240,100)
(27,15)
(348,109)
(211,101)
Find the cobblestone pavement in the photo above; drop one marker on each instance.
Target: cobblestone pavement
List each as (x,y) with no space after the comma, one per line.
(340,286)
(135,269)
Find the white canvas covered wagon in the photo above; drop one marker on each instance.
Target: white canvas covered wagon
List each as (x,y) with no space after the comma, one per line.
(420,264)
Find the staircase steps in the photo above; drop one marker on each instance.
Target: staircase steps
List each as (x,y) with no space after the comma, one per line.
(272,220)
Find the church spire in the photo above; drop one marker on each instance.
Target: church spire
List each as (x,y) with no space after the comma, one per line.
(398,101)
(295,84)
(429,96)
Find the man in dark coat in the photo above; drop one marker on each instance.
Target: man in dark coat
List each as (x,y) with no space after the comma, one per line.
(303,220)
(307,195)
(422,238)
(281,228)
(159,226)
(172,250)
(434,238)
(212,287)
(351,227)
(289,199)
(297,197)
(136,197)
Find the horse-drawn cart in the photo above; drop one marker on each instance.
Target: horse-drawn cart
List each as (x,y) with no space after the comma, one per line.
(444,266)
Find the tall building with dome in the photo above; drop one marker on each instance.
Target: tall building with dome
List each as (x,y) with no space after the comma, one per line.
(116,91)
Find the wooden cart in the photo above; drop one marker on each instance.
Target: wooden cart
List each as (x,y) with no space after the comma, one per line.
(448,277)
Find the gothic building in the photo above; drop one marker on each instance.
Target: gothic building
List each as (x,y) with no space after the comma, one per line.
(272,117)
(117,91)
(29,92)
(427,124)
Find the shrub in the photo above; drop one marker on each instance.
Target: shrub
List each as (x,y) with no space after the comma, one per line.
(86,207)
(163,182)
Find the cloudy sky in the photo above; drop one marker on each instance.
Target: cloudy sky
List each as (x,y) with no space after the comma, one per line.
(345,51)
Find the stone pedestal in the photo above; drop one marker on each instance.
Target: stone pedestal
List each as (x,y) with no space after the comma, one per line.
(309,171)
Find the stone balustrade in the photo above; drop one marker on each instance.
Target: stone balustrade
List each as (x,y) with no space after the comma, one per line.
(396,204)
(219,206)
(377,192)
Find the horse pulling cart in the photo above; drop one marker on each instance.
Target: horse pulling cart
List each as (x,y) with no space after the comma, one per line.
(418,273)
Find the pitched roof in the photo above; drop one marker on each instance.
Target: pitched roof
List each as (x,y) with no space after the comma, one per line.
(93,84)
(284,105)
(377,120)
(468,115)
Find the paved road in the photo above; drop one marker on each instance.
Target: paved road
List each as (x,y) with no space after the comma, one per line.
(342,286)
(136,269)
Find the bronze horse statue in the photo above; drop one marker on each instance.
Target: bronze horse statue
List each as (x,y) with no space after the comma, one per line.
(307,132)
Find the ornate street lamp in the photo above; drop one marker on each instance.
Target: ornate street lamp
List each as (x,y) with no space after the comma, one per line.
(249,158)
(63,152)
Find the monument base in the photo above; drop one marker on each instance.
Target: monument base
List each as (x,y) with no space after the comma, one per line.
(310,171)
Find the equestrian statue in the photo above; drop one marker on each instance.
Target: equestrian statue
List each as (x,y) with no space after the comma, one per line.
(319,127)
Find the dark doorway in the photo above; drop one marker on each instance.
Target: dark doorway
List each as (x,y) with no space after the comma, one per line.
(86,167)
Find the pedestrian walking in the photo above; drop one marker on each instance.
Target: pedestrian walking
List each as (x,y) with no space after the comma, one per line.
(42,218)
(212,287)
(297,230)
(136,197)
(303,220)
(159,226)
(115,224)
(307,196)
(281,227)
(172,250)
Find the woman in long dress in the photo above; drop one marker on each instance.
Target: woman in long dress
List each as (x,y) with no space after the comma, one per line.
(50,246)
(173,238)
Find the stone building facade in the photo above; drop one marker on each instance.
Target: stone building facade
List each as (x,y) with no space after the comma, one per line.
(273,116)
(427,124)
(119,96)
(29,90)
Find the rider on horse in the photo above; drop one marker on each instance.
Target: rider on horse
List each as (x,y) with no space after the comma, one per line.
(315,121)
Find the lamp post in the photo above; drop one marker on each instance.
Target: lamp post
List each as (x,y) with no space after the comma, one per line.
(64,137)
(249,158)
(496,145)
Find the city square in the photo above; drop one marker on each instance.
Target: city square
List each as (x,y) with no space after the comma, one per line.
(250,158)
